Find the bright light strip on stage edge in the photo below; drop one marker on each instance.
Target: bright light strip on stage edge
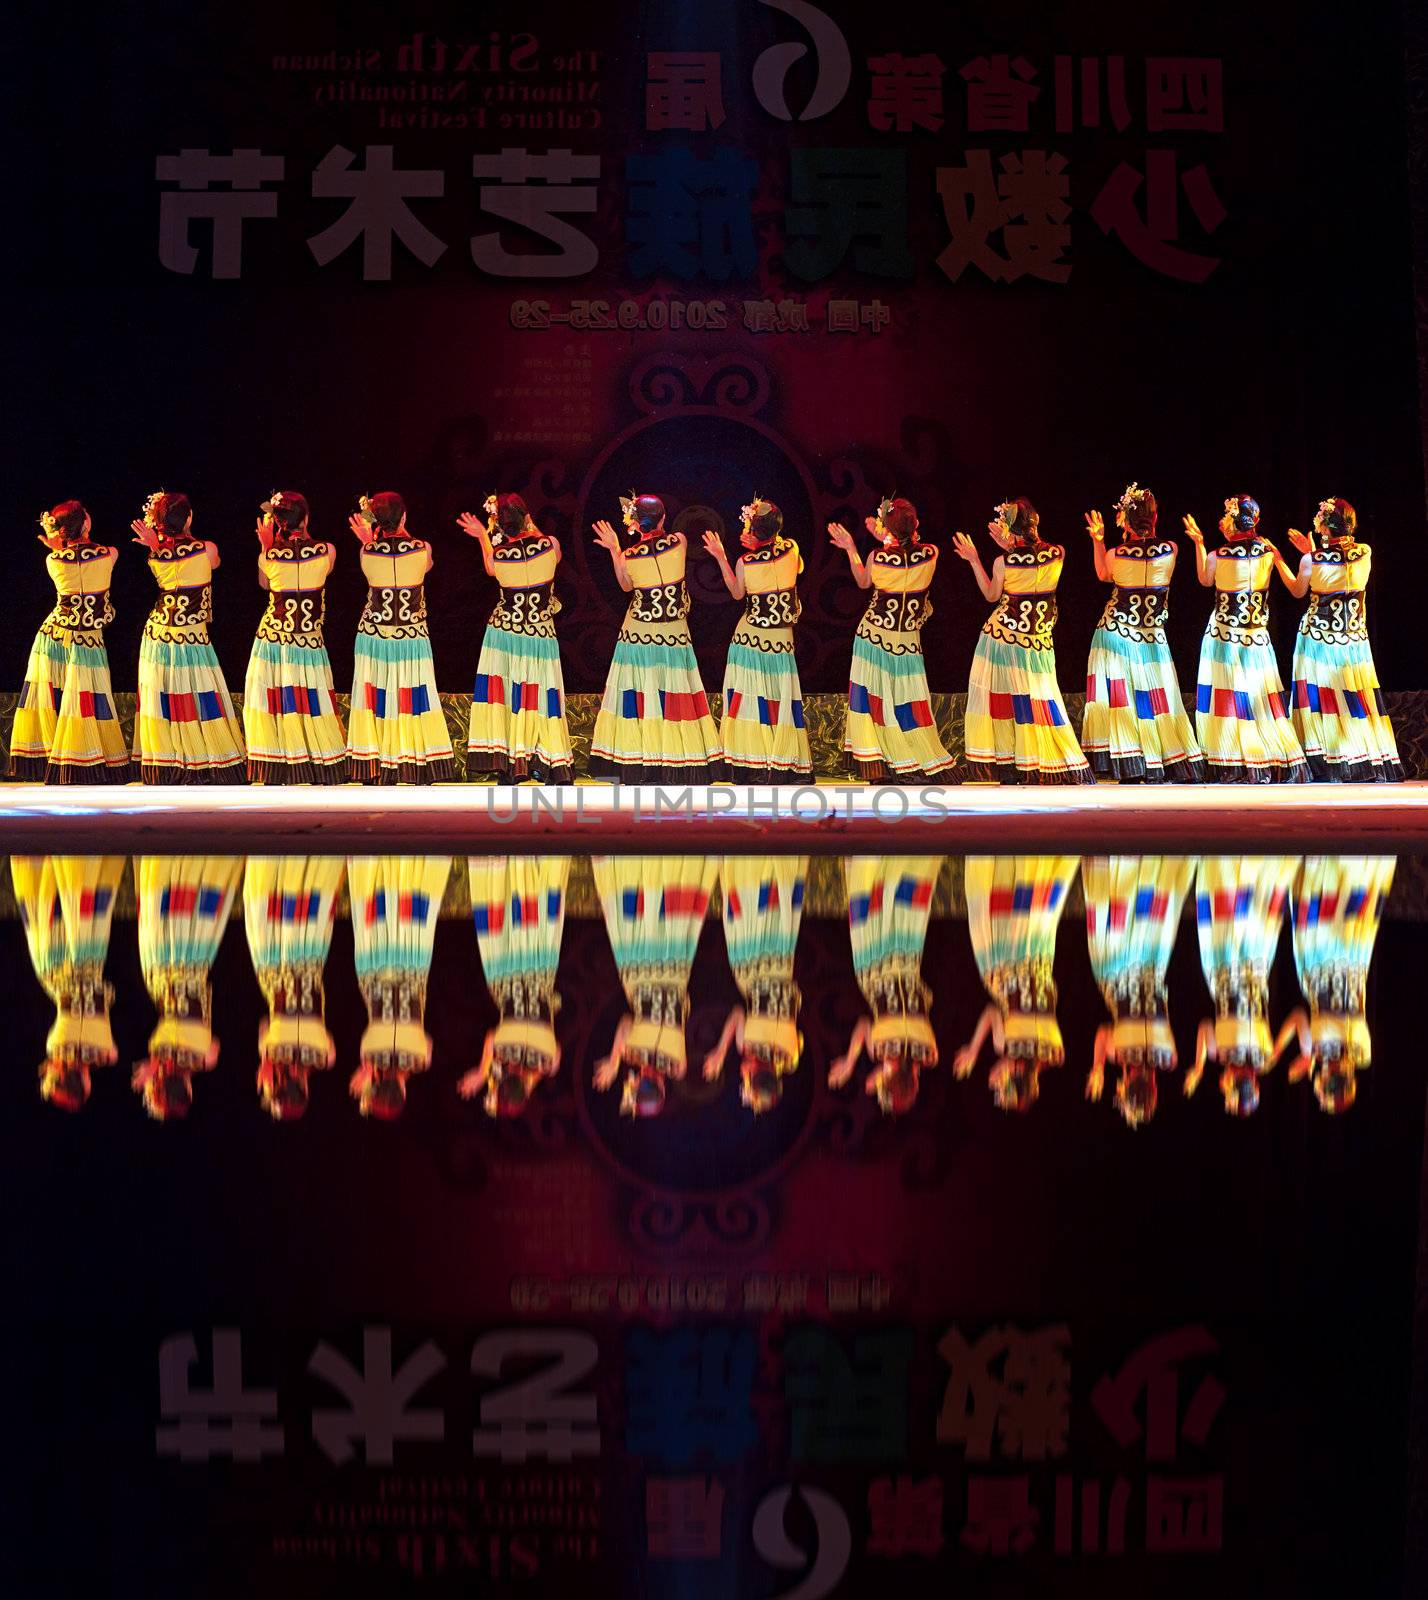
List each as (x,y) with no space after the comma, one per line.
(602,818)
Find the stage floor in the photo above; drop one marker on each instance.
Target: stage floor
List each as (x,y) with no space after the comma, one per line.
(598,818)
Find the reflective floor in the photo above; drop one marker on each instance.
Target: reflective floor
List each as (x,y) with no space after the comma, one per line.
(712,1226)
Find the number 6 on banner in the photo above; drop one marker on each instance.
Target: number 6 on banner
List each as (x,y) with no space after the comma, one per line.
(536,1417)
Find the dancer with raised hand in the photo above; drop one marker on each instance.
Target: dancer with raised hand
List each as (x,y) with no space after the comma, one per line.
(66,729)
(1337,705)
(290,716)
(654,724)
(762,731)
(396,730)
(518,727)
(1017,727)
(1241,717)
(1136,727)
(891,734)
(185,729)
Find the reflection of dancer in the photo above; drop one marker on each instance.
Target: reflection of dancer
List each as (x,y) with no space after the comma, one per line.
(1240,712)
(891,732)
(654,724)
(518,728)
(1338,903)
(66,729)
(654,908)
(762,733)
(396,728)
(67,906)
(184,902)
(1133,906)
(1239,904)
(1135,726)
(186,730)
(1338,706)
(518,903)
(289,707)
(889,904)
(289,903)
(763,910)
(1014,906)
(395,902)
(1017,727)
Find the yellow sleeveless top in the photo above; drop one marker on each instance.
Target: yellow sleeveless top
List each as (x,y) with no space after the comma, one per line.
(1243,564)
(1340,569)
(1142,567)
(297,567)
(1035,571)
(395,563)
(526,565)
(81,568)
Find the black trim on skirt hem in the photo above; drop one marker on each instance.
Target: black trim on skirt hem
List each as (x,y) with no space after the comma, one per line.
(1136,769)
(372,771)
(1325,771)
(280,772)
(664,777)
(29,769)
(1295,772)
(482,766)
(233,772)
(1006,772)
(861,771)
(66,774)
(768,777)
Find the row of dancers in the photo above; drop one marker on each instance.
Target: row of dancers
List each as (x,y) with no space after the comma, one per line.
(654,910)
(655,724)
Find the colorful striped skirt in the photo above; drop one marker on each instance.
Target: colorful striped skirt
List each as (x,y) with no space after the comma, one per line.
(290,714)
(891,732)
(518,727)
(762,731)
(1240,713)
(396,729)
(186,730)
(1017,727)
(1136,725)
(654,724)
(1338,712)
(66,729)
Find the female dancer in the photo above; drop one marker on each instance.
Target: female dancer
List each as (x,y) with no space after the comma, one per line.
(1337,705)
(1240,715)
(396,730)
(889,904)
(762,731)
(66,730)
(654,724)
(1017,727)
(891,733)
(654,909)
(395,903)
(290,713)
(763,909)
(1239,908)
(1014,906)
(184,903)
(289,903)
(1133,906)
(185,730)
(1136,727)
(67,906)
(518,728)
(1338,903)
(518,903)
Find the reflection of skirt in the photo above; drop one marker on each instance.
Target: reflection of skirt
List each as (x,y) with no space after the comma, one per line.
(290,716)
(518,728)
(1240,715)
(654,724)
(1136,725)
(396,729)
(65,729)
(186,730)
(1017,727)
(762,732)
(1338,712)
(890,731)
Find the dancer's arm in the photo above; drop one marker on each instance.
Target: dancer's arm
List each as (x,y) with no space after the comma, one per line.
(733,576)
(1204,563)
(607,538)
(991,584)
(844,540)
(1097,530)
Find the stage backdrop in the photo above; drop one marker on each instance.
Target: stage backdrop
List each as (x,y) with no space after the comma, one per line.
(822,253)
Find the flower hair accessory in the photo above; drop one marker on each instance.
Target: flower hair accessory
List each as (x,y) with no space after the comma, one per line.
(274,499)
(1131,495)
(151,507)
(364,510)
(757,507)
(1006,514)
(627,508)
(48,523)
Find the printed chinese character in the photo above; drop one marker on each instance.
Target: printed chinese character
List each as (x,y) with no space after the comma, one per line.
(683,90)
(1184,94)
(683,1518)
(1154,1371)
(1184,1516)
(691,217)
(378,210)
(1092,1538)
(1117,104)
(847,202)
(905,1516)
(1010,1385)
(195,172)
(1000,1517)
(536,1416)
(378,1398)
(906,93)
(1150,238)
(688,1393)
(535,191)
(227,1422)
(999,94)
(842,1410)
